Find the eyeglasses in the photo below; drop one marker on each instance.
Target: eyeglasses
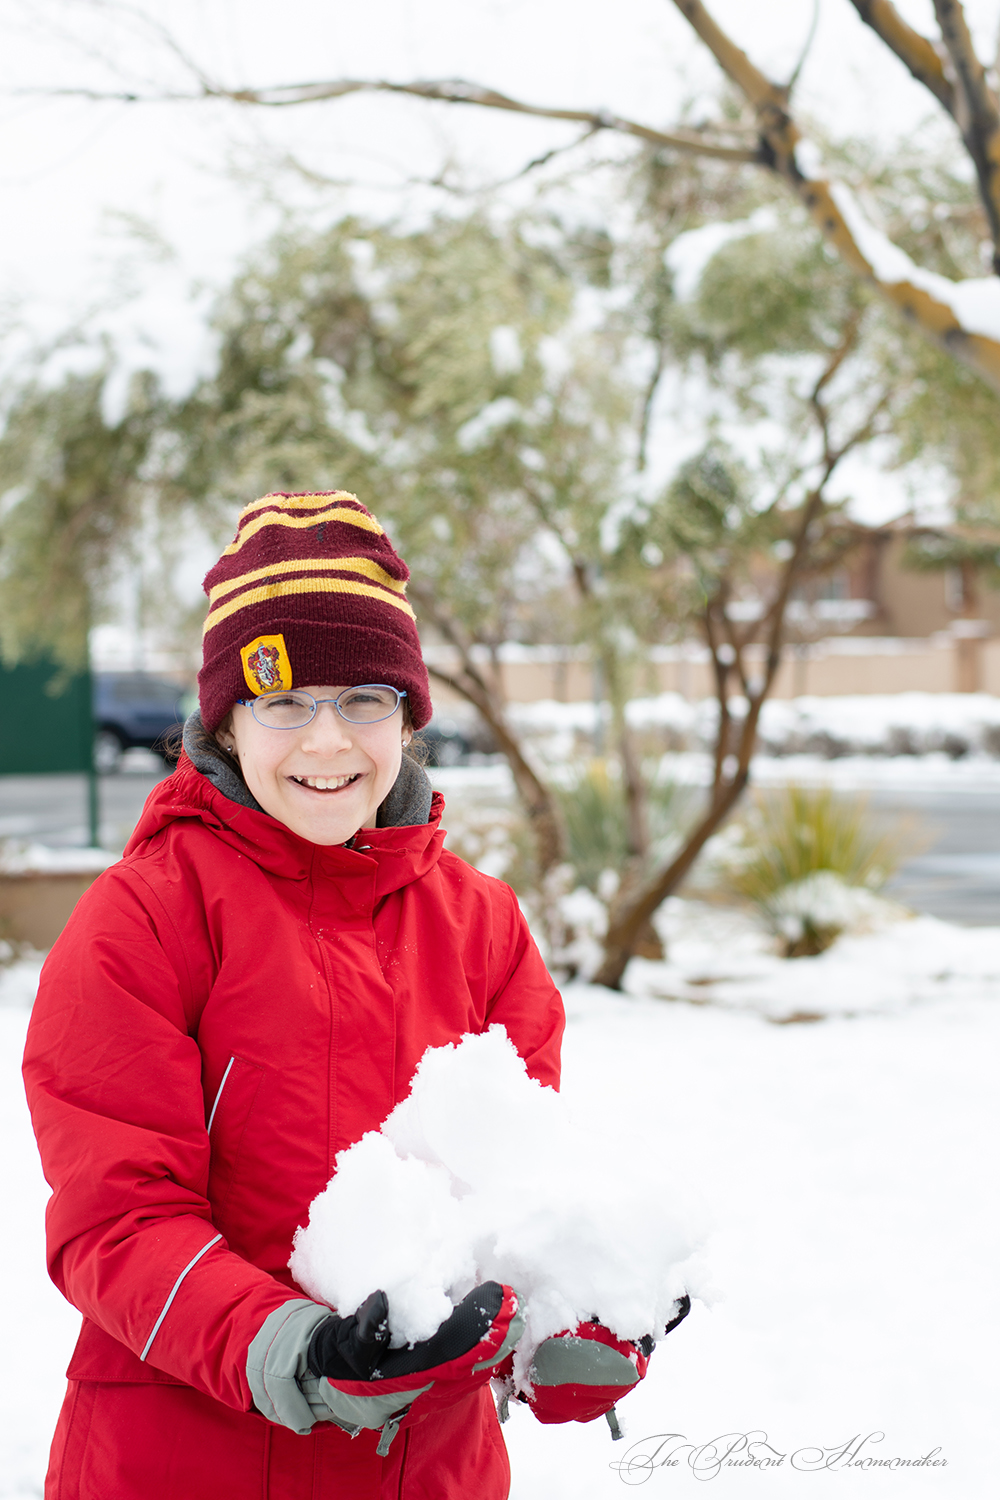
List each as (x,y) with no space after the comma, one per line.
(358,705)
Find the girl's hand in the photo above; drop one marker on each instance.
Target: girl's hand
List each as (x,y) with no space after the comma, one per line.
(351,1346)
(307,1364)
(578,1376)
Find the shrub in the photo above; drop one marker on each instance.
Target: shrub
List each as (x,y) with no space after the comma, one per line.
(595,818)
(811,862)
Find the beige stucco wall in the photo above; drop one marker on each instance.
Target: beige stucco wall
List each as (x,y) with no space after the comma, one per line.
(916,604)
(826,668)
(35,906)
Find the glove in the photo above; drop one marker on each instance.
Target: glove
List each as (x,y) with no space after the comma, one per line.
(578,1376)
(350,1347)
(307,1364)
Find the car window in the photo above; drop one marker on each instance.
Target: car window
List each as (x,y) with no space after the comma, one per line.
(136,688)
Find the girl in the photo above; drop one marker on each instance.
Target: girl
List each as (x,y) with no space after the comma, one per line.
(244,995)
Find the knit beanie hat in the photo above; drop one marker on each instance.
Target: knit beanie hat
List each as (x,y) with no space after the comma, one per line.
(308,592)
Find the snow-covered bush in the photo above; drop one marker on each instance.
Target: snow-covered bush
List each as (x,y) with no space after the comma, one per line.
(896,724)
(811,862)
(810,914)
(882,724)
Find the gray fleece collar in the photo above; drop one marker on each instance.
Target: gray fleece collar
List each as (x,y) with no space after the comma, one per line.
(213,765)
(408,804)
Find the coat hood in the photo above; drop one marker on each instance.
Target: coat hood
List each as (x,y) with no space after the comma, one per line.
(402,853)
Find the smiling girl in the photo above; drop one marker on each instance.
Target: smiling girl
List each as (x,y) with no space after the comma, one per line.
(239,999)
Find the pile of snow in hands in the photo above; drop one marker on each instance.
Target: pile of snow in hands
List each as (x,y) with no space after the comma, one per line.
(482,1174)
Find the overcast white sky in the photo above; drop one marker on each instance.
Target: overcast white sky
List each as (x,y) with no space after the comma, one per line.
(69,168)
(64,164)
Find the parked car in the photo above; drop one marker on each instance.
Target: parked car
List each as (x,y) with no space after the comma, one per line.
(133,709)
(450,743)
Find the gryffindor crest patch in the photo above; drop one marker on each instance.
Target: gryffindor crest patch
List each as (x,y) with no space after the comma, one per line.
(266,666)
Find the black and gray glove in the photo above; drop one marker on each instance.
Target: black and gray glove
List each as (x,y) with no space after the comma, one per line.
(350,1347)
(309,1365)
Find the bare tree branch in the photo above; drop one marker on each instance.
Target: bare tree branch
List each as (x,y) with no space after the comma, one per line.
(637,902)
(768,99)
(488,700)
(979,117)
(967,97)
(538,801)
(837,357)
(806,49)
(778,134)
(779,137)
(539,161)
(649,396)
(448,91)
(914,50)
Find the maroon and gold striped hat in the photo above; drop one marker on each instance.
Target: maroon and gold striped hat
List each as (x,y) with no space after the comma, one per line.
(308,592)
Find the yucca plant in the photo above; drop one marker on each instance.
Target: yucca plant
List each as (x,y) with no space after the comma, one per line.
(595,817)
(596,821)
(811,862)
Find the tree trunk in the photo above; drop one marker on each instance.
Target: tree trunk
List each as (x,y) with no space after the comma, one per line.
(633,785)
(635,907)
(538,801)
(629,919)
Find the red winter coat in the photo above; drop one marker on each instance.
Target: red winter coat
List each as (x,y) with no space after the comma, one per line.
(228,1008)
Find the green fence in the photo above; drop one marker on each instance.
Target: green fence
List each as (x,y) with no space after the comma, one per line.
(46,725)
(43,728)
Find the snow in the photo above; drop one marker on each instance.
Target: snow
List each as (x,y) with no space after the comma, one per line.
(854,773)
(865,721)
(904,723)
(478,430)
(445,1196)
(721,956)
(40,1328)
(19,983)
(824,902)
(862,739)
(22,858)
(975,302)
(855,1245)
(506,355)
(690,253)
(844,1169)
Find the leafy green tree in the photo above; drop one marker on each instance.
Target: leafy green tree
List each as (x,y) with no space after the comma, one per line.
(76,487)
(496,387)
(736,539)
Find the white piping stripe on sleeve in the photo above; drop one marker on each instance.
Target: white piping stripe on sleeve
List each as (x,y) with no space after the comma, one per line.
(218,1096)
(173,1293)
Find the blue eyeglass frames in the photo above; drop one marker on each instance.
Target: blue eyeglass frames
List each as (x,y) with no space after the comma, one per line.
(369,704)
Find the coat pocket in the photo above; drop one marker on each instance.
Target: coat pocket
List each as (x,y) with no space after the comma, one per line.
(227,1123)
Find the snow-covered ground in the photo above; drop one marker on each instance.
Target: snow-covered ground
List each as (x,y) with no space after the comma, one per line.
(720,956)
(467,785)
(844,1166)
(856,1238)
(895,727)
